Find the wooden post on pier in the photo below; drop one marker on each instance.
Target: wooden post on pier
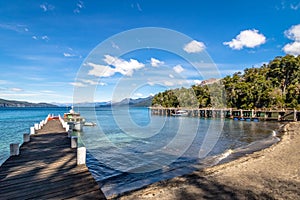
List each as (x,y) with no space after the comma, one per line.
(36,127)
(26,137)
(81,155)
(74,142)
(295,115)
(32,130)
(241,113)
(14,149)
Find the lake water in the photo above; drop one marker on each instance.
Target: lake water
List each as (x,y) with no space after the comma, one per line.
(130,148)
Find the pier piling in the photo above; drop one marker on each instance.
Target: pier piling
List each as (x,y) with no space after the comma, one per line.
(14,149)
(81,155)
(74,142)
(26,137)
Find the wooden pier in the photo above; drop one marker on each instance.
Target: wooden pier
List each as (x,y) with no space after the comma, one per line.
(46,168)
(235,114)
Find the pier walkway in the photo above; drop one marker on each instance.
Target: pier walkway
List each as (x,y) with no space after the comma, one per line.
(46,168)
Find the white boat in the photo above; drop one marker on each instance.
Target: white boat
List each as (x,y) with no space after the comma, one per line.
(90,124)
(74,119)
(179,113)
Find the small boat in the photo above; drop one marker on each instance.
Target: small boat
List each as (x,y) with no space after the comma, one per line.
(180,113)
(74,119)
(90,124)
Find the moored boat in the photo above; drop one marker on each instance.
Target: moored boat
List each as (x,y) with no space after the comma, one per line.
(74,119)
(180,113)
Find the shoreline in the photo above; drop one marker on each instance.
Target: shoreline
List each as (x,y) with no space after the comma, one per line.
(270,173)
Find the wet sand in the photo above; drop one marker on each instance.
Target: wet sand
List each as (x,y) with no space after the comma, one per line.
(272,173)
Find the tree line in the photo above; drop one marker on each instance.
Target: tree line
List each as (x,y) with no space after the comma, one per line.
(275,85)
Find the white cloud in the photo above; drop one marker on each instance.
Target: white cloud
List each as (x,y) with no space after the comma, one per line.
(91,82)
(151,83)
(293,34)
(122,66)
(168,83)
(68,55)
(194,47)
(171,76)
(197,82)
(114,45)
(19,28)
(34,37)
(16,89)
(79,7)
(100,70)
(155,62)
(178,69)
(139,7)
(295,6)
(3,82)
(137,95)
(46,7)
(247,38)
(77,84)
(45,37)
(292,48)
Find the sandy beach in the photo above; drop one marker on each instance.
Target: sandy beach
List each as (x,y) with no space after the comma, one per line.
(272,173)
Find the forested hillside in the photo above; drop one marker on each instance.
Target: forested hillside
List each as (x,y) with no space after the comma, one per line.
(274,85)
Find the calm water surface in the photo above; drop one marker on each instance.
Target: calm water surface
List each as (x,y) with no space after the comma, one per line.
(129,148)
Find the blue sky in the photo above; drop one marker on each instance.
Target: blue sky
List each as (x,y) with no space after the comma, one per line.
(44,44)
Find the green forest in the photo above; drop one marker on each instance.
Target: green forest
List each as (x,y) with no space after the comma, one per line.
(274,85)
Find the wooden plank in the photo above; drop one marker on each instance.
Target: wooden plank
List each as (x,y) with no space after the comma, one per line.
(46,168)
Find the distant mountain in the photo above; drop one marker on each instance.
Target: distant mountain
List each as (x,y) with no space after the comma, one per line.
(13,103)
(140,102)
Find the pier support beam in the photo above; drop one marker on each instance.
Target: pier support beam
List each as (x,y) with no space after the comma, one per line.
(81,155)
(14,149)
(26,137)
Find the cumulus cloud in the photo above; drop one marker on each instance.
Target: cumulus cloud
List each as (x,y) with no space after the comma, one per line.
(293,34)
(178,69)
(114,65)
(194,47)
(247,38)
(155,62)
(100,70)
(34,37)
(292,48)
(122,66)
